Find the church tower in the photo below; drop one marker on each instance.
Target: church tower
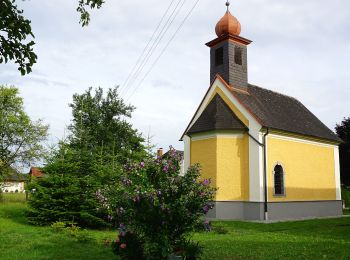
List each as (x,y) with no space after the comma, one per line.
(228,53)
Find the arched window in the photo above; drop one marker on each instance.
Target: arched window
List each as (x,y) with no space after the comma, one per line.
(278,180)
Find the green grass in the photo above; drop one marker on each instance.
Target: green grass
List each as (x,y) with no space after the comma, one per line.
(19,240)
(313,239)
(12,197)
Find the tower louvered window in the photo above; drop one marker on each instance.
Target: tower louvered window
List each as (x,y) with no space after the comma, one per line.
(219,56)
(278,180)
(238,55)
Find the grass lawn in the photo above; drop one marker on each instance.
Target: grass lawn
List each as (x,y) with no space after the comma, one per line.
(313,239)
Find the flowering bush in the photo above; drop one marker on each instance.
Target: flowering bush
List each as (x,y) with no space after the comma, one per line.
(158,205)
(127,245)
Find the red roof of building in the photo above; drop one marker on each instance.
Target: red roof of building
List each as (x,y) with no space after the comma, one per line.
(35,172)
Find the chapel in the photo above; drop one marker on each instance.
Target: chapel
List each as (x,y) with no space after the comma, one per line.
(269,157)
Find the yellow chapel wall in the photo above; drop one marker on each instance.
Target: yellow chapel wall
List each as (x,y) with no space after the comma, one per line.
(309,169)
(204,152)
(224,159)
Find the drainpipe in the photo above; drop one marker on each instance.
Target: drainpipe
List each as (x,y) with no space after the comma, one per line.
(266,213)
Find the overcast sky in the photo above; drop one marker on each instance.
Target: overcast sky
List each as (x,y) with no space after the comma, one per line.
(300,48)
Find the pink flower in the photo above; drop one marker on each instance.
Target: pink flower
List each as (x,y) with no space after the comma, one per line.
(206,182)
(202,194)
(123,246)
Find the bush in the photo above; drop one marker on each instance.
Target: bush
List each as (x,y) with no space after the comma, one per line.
(220,230)
(127,245)
(81,235)
(63,198)
(58,226)
(345,193)
(158,205)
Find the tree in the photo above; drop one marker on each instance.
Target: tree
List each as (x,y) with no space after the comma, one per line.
(20,137)
(100,141)
(16,36)
(99,125)
(343,132)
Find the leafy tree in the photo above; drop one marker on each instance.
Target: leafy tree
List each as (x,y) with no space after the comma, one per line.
(99,142)
(156,207)
(99,125)
(343,132)
(20,137)
(16,36)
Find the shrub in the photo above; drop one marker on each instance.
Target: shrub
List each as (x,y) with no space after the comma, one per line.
(127,245)
(58,226)
(83,236)
(158,205)
(220,230)
(192,249)
(63,198)
(345,193)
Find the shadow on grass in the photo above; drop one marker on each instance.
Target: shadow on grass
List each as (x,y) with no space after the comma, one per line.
(14,211)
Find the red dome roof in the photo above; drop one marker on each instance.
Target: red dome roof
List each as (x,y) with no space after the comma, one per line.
(228,25)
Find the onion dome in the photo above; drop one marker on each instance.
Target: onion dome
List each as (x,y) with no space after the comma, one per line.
(228,25)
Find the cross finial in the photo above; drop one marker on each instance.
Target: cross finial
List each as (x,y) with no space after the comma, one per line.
(227,4)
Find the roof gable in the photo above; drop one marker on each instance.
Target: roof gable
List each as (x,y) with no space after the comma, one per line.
(216,116)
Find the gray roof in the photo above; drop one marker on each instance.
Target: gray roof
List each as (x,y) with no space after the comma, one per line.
(16,177)
(216,116)
(272,110)
(282,112)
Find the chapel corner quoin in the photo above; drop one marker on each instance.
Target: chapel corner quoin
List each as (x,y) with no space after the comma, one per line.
(268,155)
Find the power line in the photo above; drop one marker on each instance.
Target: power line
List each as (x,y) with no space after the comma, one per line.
(165,48)
(145,48)
(157,41)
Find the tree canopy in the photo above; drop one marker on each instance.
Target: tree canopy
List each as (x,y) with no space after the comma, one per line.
(20,137)
(17,37)
(100,141)
(343,132)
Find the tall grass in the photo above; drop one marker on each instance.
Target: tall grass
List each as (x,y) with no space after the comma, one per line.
(12,197)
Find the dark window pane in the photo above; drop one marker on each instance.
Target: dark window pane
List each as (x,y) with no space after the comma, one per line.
(238,55)
(219,56)
(278,179)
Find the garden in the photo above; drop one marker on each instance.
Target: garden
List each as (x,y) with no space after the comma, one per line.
(311,239)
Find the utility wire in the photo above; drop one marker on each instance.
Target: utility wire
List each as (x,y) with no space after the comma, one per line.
(157,41)
(165,48)
(146,47)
